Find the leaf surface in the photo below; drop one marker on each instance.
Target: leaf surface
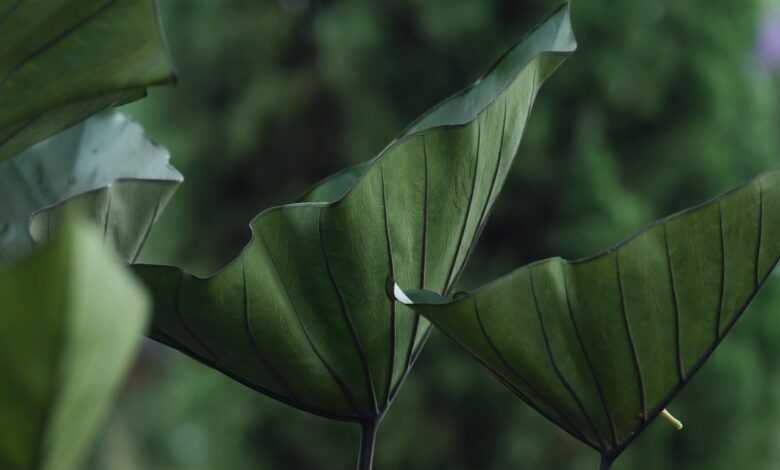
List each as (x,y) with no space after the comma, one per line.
(64,60)
(600,346)
(72,319)
(303,314)
(105,165)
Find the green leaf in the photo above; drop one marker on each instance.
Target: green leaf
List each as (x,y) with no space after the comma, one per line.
(63,60)
(72,320)
(303,314)
(104,165)
(600,346)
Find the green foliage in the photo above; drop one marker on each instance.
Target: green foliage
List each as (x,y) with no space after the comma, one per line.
(303,314)
(600,346)
(72,316)
(105,166)
(660,108)
(63,60)
(72,320)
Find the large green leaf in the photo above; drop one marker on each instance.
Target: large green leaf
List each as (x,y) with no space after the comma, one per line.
(601,345)
(63,60)
(72,319)
(303,314)
(106,165)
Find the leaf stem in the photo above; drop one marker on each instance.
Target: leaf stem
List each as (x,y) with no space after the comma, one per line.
(606,463)
(676,423)
(367,444)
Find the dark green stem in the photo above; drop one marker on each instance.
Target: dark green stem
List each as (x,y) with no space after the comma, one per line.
(367,443)
(606,463)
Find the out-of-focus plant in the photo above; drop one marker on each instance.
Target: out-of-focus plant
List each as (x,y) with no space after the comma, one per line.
(63,60)
(72,320)
(72,315)
(309,312)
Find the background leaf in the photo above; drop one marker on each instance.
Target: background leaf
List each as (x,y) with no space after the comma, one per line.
(303,313)
(63,60)
(72,319)
(601,345)
(106,165)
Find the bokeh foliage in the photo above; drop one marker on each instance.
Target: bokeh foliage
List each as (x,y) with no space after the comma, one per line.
(661,107)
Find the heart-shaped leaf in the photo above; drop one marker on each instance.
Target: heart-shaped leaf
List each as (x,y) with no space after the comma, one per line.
(63,60)
(601,345)
(303,313)
(105,165)
(72,319)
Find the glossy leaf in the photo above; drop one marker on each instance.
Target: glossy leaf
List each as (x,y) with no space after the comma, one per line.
(63,60)
(303,314)
(105,165)
(601,345)
(72,319)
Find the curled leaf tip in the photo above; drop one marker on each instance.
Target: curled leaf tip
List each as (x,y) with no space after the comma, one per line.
(678,425)
(400,296)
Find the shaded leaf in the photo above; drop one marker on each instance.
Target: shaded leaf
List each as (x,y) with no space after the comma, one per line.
(105,165)
(303,314)
(63,60)
(601,345)
(72,319)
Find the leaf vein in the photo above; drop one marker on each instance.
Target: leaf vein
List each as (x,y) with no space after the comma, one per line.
(722,270)
(450,276)
(107,214)
(554,363)
(597,382)
(676,304)
(569,424)
(149,226)
(280,379)
(486,208)
(44,47)
(348,320)
(630,336)
(350,400)
(391,366)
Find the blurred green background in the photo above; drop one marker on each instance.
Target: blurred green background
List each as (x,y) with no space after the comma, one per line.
(666,103)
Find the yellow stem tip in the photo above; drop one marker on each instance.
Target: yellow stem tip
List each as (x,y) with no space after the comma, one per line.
(678,425)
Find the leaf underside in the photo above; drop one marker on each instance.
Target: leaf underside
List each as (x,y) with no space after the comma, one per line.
(64,60)
(105,166)
(72,319)
(303,314)
(601,345)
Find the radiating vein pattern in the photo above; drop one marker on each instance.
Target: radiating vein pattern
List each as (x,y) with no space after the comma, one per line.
(601,345)
(327,336)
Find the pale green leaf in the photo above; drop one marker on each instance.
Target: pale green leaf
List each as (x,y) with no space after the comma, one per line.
(72,320)
(105,165)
